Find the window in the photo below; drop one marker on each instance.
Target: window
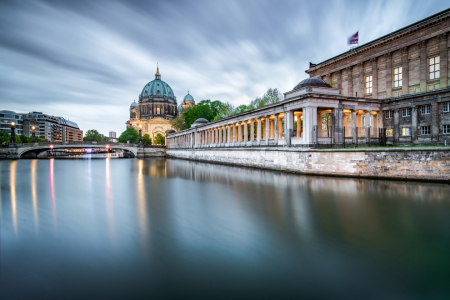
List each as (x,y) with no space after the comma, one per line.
(389,132)
(398,77)
(406,112)
(425,130)
(388,114)
(447,107)
(406,131)
(369,84)
(446,128)
(425,109)
(434,68)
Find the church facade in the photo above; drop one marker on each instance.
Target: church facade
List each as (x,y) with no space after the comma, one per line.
(156,107)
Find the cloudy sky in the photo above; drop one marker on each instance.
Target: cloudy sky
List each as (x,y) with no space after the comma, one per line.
(88,60)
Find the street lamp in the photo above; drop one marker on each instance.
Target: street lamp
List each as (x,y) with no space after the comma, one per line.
(33,134)
(140,135)
(13,133)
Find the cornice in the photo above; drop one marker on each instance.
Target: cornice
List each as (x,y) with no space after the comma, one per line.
(383,42)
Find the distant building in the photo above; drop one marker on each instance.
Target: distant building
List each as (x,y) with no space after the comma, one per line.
(112,134)
(113,139)
(7,117)
(54,129)
(188,102)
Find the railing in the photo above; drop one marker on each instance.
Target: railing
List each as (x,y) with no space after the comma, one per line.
(73,143)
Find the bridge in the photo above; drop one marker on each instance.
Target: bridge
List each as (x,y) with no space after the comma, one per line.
(33,149)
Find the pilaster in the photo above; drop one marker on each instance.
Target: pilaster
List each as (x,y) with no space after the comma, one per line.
(423,66)
(443,53)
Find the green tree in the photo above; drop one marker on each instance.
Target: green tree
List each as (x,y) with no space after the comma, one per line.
(94,135)
(4,138)
(226,110)
(146,140)
(21,139)
(178,123)
(130,134)
(160,139)
(204,109)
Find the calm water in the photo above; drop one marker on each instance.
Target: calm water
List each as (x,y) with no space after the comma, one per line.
(129,228)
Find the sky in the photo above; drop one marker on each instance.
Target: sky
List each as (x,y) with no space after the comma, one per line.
(88,60)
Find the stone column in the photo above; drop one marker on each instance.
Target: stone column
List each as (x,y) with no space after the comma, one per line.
(245,132)
(434,122)
(367,125)
(307,128)
(337,121)
(443,53)
(349,84)
(267,130)
(396,125)
(229,134)
(275,129)
(258,131)
(423,66)
(405,71)
(362,80)
(252,130)
(354,127)
(288,126)
(299,125)
(414,124)
(239,132)
(388,75)
(374,78)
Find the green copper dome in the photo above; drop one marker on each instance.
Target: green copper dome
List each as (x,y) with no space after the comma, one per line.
(134,104)
(188,98)
(157,89)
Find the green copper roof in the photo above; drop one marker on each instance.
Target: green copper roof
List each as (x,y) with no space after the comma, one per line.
(188,98)
(157,89)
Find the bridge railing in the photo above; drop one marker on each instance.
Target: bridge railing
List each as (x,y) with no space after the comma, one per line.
(84,143)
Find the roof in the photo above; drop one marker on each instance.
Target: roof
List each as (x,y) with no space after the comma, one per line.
(314,82)
(439,14)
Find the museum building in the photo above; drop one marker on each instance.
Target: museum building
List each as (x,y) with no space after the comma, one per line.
(397,85)
(156,107)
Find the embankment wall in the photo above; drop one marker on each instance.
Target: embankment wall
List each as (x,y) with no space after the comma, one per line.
(412,164)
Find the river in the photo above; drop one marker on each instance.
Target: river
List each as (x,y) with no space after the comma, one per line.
(168,228)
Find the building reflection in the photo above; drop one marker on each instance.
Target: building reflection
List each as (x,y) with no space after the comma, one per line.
(52,189)
(142,205)
(34,192)
(12,180)
(110,202)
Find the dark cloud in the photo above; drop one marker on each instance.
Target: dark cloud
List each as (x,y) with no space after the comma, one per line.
(88,60)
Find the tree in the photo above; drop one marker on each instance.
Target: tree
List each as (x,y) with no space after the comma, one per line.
(226,110)
(178,123)
(204,109)
(21,139)
(326,123)
(160,139)
(146,140)
(4,137)
(130,134)
(94,135)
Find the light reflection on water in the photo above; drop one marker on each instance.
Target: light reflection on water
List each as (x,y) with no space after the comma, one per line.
(125,228)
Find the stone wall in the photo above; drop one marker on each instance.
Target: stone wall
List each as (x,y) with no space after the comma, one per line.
(411,164)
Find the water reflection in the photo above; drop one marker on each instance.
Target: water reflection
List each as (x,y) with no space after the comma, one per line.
(12,181)
(145,226)
(34,193)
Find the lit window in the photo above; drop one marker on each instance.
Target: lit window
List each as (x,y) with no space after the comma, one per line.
(434,67)
(368,84)
(388,114)
(446,128)
(398,77)
(447,107)
(425,130)
(406,112)
(425,109)
(406,131)
(389,132)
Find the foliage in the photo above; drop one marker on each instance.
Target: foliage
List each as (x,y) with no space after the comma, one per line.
(270,97)
(146,140)
(160,139)
(130,134)
(204,109)
(94,135)
(225,111)
(22,139)
(4,137)
(178,123)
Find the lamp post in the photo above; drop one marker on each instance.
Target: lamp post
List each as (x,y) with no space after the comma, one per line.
(13,133)
(33,134)
(140,136)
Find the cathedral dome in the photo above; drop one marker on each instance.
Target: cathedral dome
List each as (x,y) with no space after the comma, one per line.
(188,98)
(157,89)
(313,82)
(133,105)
